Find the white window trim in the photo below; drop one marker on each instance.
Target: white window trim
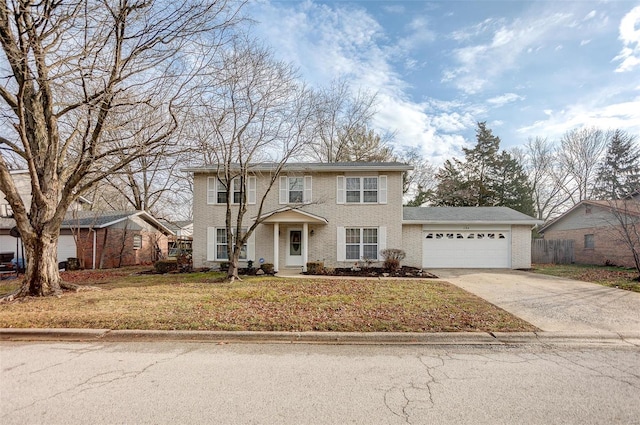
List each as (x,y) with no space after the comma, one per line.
(284,189)
(212,190)
(341,190)
(212,244)
(137,246)
(342,242)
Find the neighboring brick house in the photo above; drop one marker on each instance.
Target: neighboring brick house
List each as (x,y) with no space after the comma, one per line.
(66,240)
(117,238)
(343,213)
(595,229)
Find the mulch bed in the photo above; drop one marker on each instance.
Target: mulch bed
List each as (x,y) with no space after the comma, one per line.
(404,271)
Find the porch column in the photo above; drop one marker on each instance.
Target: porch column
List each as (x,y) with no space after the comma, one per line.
(305,245)
(276,245)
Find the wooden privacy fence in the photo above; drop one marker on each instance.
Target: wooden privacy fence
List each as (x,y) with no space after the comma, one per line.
(558,251)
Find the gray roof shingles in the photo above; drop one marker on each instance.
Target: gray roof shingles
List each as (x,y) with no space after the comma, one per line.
(467,214)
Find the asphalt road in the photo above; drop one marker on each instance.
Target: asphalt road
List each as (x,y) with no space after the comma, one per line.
(181,382)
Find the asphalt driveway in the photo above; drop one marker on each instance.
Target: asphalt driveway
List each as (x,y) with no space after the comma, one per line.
(551,303)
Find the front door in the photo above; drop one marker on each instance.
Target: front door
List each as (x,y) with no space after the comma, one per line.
(294,248)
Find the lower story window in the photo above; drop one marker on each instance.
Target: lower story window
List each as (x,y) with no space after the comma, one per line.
(221,245)
(589,241)
(361,243)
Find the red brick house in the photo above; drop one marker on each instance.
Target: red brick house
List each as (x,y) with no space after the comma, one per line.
(117,238)
(597,231)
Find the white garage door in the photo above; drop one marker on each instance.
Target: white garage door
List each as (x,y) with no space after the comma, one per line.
(450,248)
(66,246)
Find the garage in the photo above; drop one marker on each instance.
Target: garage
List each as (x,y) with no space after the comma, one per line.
(449,247)
(66,246)
(469,237)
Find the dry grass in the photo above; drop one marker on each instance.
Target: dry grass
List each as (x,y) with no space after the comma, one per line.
(615,277)
(199,301)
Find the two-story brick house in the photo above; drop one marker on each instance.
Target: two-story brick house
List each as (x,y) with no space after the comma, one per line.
(342,213)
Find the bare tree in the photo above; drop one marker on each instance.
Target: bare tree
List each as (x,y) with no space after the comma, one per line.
(339,115)
(77,75)
(256,111)
(626,226)
(548,181)
(579,154)
(419,183)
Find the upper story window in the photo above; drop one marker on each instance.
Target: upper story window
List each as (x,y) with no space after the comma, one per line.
(362,190)
(295,189)
(217,190)
(6,210)
(137,241)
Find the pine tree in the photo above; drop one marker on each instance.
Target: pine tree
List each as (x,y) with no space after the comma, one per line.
(619,173)
(481,163)
(486,177)
(511,186)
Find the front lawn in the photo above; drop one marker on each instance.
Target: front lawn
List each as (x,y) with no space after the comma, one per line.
(199,301)
(615,277)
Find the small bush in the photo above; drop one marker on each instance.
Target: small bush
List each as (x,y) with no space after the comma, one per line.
(267,268)
(224,267)
(166,266)
(392,258)
(391,264)
(315,267)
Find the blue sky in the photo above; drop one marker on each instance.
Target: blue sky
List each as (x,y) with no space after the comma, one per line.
(528,68)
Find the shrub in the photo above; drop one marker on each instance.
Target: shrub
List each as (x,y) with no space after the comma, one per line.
(267,268)
(315,267)
(392,258)
(165,266)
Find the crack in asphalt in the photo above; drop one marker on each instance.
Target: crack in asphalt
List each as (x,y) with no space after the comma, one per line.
(89,382)
(404,400)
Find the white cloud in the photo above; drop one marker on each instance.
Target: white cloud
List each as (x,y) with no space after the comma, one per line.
(502,100)
(589,15)
(624,115)
(630,36)
(480,64)
(584,42)
(395,8)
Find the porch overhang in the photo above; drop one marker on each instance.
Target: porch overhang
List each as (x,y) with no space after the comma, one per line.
(292,215)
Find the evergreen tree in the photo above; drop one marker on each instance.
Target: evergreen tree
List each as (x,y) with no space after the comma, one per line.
(619,173)
(486,177)
(454,188)
(511,187)
(481,164)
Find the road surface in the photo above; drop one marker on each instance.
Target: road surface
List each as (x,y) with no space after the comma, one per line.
(181,382)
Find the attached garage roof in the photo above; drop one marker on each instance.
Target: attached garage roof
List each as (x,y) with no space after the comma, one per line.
(451,215)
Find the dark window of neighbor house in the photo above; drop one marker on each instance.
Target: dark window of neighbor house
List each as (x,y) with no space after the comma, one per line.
(589,241)
(587,209)
(137,241)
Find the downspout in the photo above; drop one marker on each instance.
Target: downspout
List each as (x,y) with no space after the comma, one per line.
(93,249)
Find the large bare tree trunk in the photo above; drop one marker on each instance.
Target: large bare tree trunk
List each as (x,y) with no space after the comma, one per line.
(41,276)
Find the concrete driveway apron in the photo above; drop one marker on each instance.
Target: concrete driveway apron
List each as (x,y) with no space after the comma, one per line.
(552,304)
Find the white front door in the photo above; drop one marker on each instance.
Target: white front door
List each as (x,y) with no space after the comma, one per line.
(294,247)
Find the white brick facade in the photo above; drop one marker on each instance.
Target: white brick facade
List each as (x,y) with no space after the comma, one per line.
(324,217)
(322,238)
